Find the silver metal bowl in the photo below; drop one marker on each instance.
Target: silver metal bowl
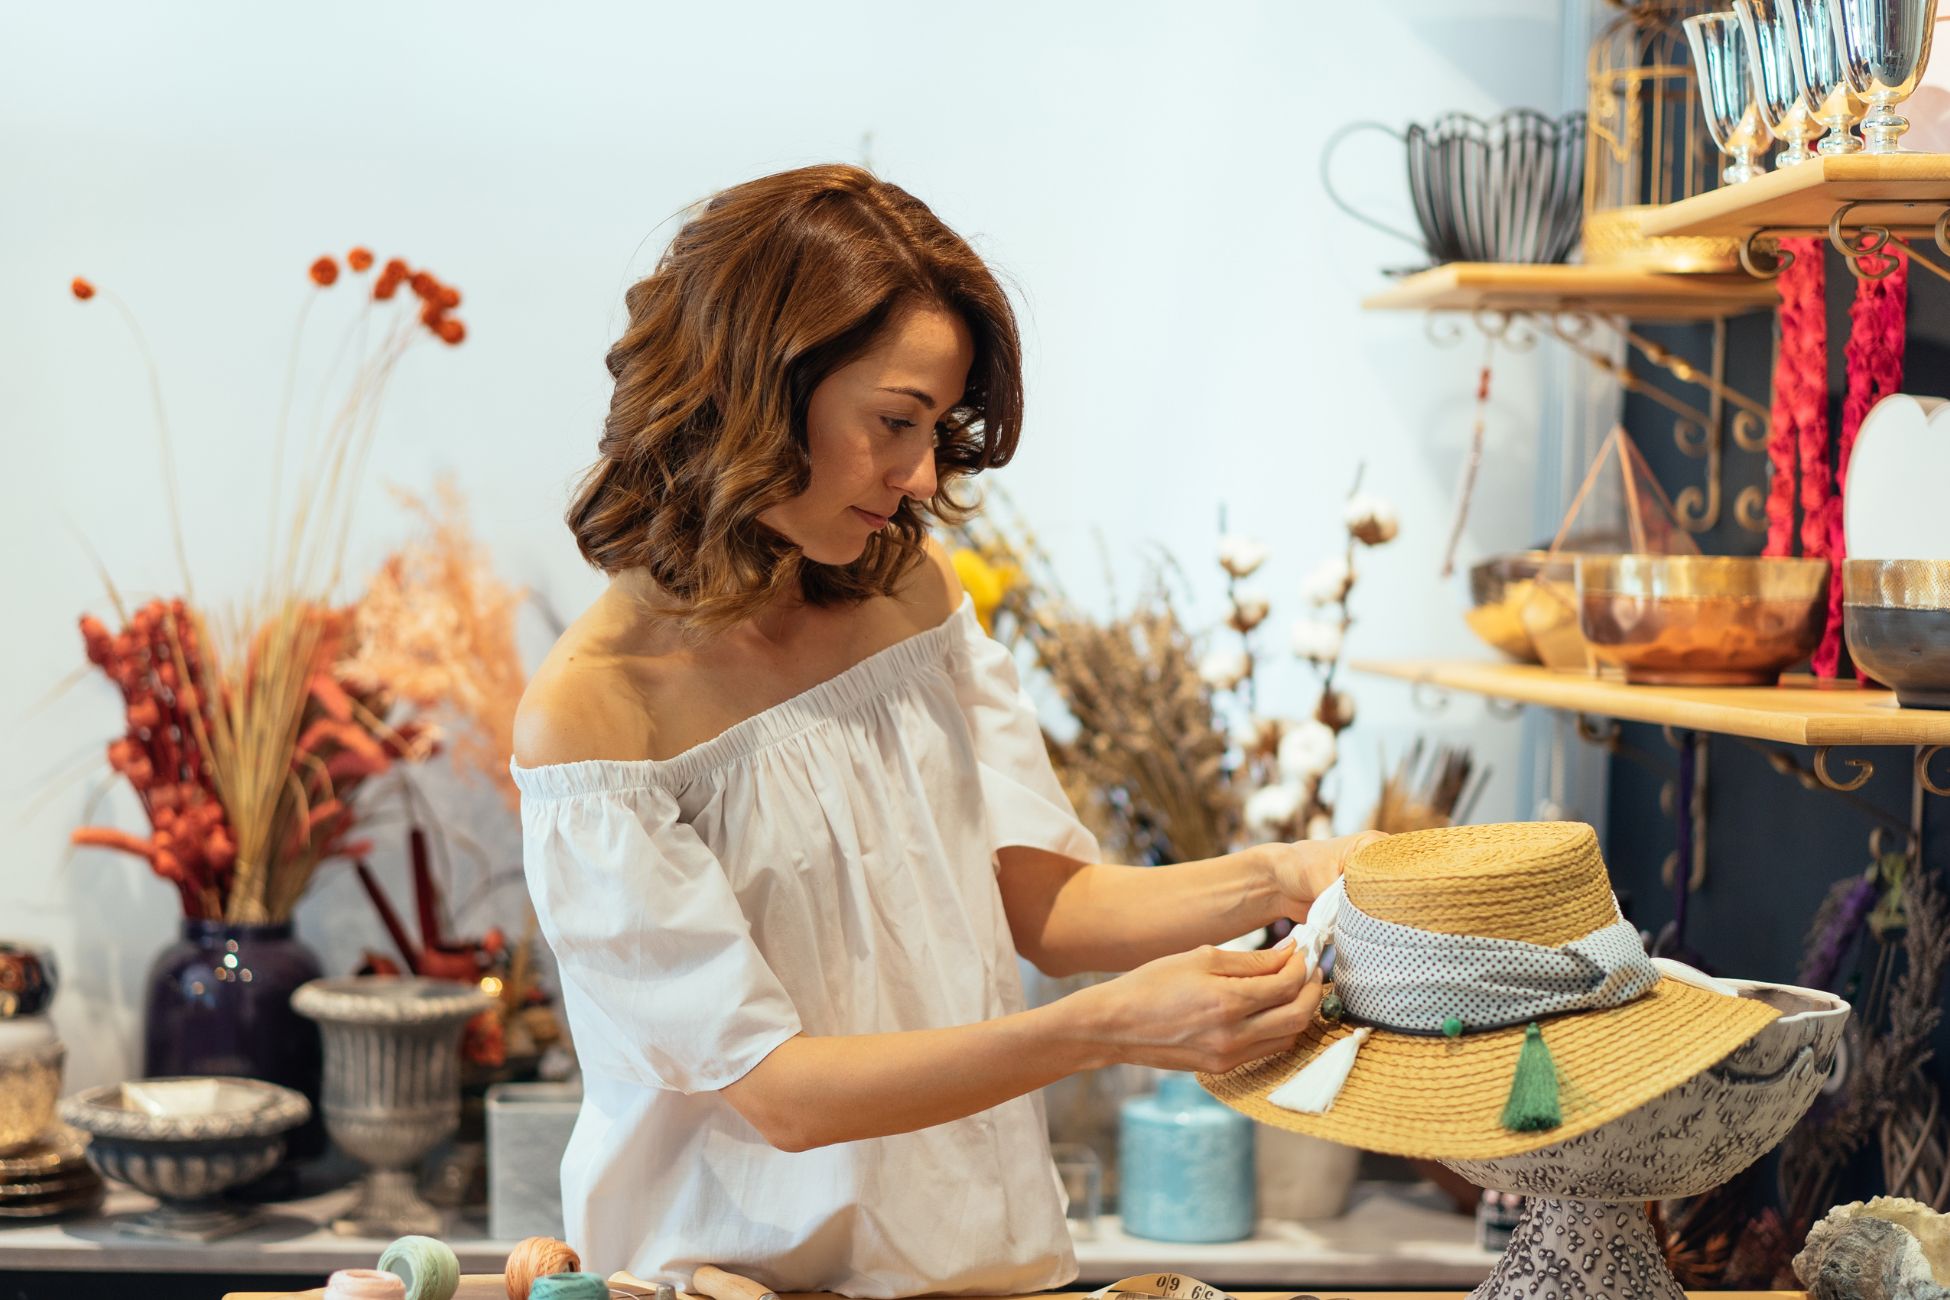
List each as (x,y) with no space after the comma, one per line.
(1896,618)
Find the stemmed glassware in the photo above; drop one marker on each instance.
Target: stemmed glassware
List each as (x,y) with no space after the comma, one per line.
(1883,47)
(1727,93)
(1766,28)
(1825,90)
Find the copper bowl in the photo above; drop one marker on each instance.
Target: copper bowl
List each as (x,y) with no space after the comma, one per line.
(1498,588)
(1525,605)
(1701,620)
(1896,616)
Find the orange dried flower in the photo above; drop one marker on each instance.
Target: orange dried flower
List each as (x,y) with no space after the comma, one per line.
(387,286)
(82,289)
(448,297)
(359,259)
(450,331)
(425,285)
(324,272)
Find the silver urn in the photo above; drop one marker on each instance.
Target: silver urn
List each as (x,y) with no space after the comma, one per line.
(392,1085)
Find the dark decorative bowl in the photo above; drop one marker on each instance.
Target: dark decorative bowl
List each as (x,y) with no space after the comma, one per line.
(1896,616)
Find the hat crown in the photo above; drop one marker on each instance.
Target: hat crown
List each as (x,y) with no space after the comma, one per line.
(1535,882)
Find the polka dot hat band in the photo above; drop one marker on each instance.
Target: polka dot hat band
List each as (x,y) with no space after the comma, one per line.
(1488,1000)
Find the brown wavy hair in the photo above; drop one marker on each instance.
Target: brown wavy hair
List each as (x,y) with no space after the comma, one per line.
(771,287)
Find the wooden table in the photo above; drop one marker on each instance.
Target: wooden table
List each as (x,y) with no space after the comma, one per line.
(489,1286)
(1394,1235)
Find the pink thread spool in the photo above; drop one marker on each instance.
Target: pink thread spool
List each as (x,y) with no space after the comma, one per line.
(364,1284)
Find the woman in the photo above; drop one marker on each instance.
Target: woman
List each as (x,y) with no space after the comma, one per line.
(788,816)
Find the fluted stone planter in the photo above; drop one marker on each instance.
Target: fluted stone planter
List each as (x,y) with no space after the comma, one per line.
(186,1142)
(392,1085)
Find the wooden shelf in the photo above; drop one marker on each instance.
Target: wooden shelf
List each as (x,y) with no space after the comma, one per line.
(1904,191)
(1620,291)
(1784,714)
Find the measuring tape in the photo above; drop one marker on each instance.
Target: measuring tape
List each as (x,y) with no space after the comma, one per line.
(1160,1286)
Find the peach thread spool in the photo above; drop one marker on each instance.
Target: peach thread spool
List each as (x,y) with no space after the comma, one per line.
(364,1284)
(535,1257)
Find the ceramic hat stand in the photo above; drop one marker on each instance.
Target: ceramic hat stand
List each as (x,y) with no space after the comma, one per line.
(1584,1233)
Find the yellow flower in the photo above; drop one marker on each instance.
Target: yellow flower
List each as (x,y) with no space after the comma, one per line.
(985,583)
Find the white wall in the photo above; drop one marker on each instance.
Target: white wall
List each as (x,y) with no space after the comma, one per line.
(1143,174)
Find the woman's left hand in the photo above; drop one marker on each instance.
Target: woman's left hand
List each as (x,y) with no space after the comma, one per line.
(1302,869)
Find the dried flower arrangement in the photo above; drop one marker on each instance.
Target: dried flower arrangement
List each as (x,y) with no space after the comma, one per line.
(248,734)
(1896,916)
(438,626)
(1284,763)
(1172,760)
(1883,939)
(1146,766)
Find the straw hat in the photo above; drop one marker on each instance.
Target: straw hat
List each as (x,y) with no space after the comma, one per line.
(1441,899)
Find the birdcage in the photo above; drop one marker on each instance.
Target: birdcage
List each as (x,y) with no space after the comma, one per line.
(1648,141)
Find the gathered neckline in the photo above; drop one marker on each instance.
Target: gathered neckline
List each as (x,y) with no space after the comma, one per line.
(846,690)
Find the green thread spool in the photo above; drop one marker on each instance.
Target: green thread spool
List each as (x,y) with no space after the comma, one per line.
(569,1286)
(428,1266)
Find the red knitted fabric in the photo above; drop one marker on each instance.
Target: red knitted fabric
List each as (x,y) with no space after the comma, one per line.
(1800,413)
(1878,321)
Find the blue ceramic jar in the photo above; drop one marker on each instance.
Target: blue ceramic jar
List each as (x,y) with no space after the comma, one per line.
(1185,1166)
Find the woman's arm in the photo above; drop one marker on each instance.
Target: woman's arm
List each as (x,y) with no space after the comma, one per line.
(1068,917)
(1205,1010)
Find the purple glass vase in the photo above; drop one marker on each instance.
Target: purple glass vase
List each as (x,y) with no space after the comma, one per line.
(219,1002)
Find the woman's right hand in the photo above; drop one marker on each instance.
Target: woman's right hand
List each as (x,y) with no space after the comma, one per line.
(1209,1009)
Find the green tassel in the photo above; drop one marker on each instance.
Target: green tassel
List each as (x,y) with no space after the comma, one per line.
(1533,1088)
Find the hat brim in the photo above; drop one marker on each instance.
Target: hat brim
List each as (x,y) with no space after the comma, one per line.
(1442,1098)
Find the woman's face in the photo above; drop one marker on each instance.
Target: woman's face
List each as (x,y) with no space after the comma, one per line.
(870,434)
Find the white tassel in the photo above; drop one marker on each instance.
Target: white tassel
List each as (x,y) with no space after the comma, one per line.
(1312,1091)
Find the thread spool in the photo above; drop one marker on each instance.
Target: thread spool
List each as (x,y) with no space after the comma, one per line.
(428,1267)
(570,1286)
(537,1257)
(364,1284)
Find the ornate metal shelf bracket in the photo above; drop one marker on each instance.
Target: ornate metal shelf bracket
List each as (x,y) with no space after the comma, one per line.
(1785,763)
(1862,768)
(1925,754)
(1869,251)
(1427,697)
(1867,242)
(1764,260)
(1602,732)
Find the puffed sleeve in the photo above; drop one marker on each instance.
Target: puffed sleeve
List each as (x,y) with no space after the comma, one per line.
(660,976)
(1025,802)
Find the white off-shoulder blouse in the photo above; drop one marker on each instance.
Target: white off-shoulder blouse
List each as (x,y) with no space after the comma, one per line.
(826,867)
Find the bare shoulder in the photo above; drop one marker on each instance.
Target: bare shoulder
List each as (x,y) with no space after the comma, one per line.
(583,703)
(932,591)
